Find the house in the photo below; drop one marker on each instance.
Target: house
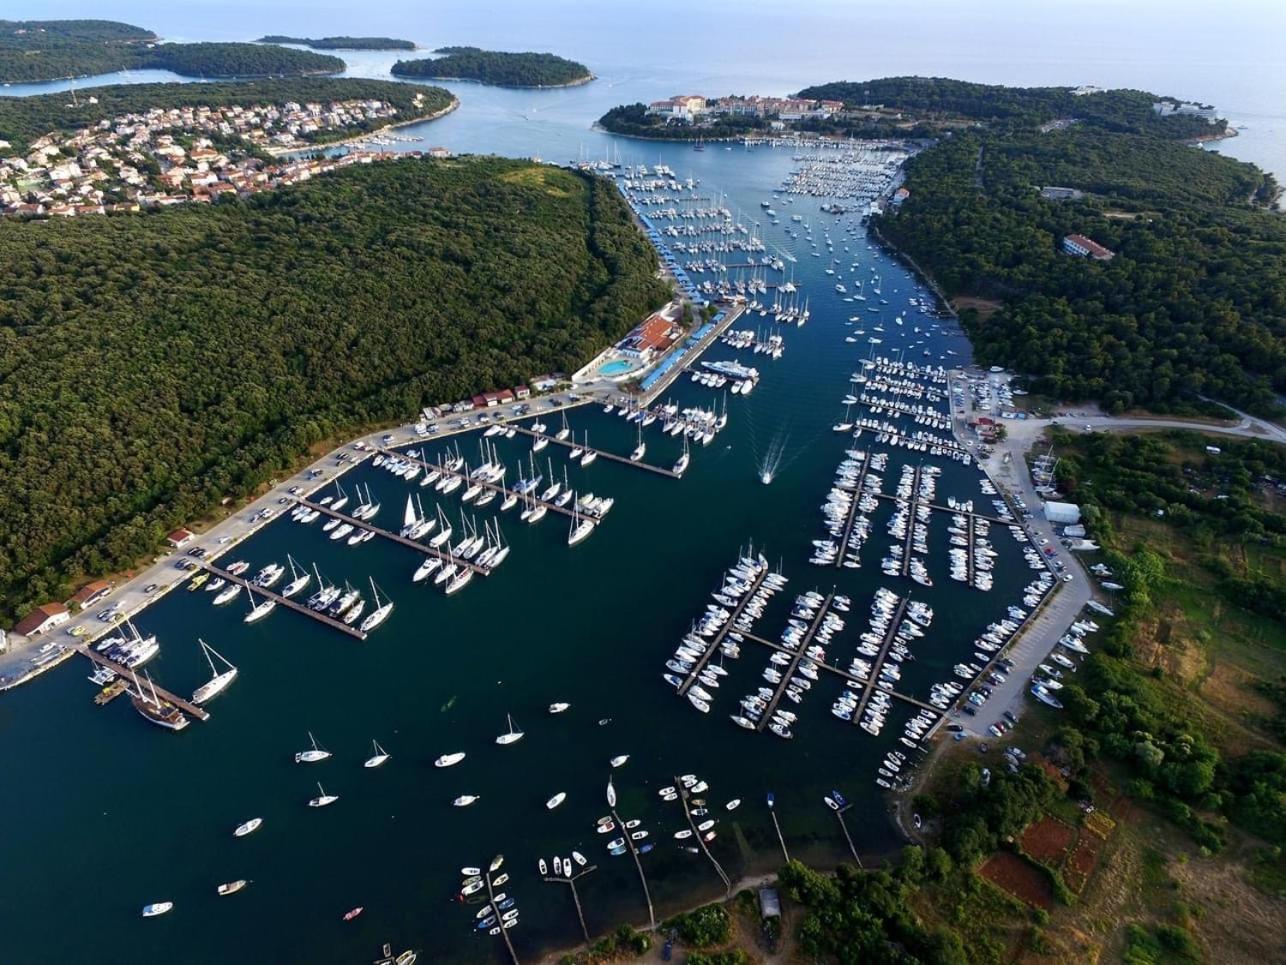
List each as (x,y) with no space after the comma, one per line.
(439,152)
(1081,247)
(91,593)
(180,538)
(522,392)
(42,619)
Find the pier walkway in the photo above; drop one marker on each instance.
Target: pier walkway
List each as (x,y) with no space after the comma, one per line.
(880,657)
(623,460)
(397,538)
(124,673)
(796,656)
(858,492)
(492,487)
(858,682)
(719,637)
(288,603)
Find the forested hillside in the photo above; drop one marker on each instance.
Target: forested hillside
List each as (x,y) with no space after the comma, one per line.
(23,119)
(32,50)
(151,365)
(238,60)
(496,67)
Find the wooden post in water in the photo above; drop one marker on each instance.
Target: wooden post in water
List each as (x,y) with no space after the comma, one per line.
(839,813)
(634,853)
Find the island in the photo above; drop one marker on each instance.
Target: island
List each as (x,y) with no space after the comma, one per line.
(497,68)
(238,60)
(237,336)
(40,50)
(36,50)
(341,43)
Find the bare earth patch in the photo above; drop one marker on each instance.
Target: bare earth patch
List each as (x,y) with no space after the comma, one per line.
(1012,874)
(985,307)
(1047,840)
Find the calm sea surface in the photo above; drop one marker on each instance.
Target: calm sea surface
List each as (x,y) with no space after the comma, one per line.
(107,814)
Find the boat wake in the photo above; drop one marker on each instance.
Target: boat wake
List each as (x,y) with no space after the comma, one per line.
(771,461)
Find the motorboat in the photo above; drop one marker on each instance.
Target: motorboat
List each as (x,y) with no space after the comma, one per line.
(247,827)
(464,800)
(232,887)
(157,908)
(556,800)
(619,760)
(448,760)
(559,707)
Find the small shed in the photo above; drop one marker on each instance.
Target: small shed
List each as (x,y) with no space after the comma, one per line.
(769,903)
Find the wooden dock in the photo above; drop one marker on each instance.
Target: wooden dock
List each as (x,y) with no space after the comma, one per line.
(717,641)
(396,538)
(602,453)
(124,673)
(880,657)
(493,487)
(911,520)
(289,604)
(852,512)
(796,655)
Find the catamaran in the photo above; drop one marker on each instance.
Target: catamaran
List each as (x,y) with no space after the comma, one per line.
(379,614)
(511,736)
(219,680)
(313,754)
(379,757)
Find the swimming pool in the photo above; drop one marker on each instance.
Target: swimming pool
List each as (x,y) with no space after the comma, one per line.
(616,367)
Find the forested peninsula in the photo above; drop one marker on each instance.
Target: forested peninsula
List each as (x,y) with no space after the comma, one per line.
(497,68)
(1194,301)
(35,50)
(24,119)
(341,43)
(38,50)
(153,364)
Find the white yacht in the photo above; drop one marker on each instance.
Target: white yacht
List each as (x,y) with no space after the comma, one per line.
(323,799)
(247,827)
(448,760)
(313,754)
(512,736)
(379,757)
(219,680)
(379,614)
(298,579)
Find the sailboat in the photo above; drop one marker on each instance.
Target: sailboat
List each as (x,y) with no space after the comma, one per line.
(847,424)
(681,466)
(298,580)
(258,610)
(379,757)
(590,454)
(580,527)
(562,434)
(512,736)
(153,708)
(322,798)
(219,680)
(379,614)
(640,449)
(313,754)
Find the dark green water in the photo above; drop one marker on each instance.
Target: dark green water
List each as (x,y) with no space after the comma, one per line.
(107,813)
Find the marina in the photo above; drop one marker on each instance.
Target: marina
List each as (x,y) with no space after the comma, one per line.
(289,604)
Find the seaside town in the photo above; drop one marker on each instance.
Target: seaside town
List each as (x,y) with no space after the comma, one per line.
(182,154)
(688,107)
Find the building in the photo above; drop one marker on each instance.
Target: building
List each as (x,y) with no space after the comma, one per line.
(654,334)
(1082,247)
(1061,194)
(1063,514)
(42,619)
(439,152)
(180,538)
(91,593)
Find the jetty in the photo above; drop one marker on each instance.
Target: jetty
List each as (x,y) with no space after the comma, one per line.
(493,487)
(883,654)
(123,672)
(796,656)
(396,537)
(718,639)
(858,493)
(909,539)
(696,833)
(288,603)
(610,456)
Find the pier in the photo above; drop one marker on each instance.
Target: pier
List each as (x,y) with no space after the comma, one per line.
(504,932)
(691,353)
(288,603)
(852,512)
(909,539)
(397,538)
(876,667)
(493,487)
(797,655)
(696,833)
(719,637)
(603,453)
(125,673)
(969,561)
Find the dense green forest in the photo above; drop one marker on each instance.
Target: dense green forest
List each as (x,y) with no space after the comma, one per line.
(23,119)
(238,60)
(152,364)
(496,67)
(633,120)
(1128,111)
(341,43)
(34,50)
(1193,304)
